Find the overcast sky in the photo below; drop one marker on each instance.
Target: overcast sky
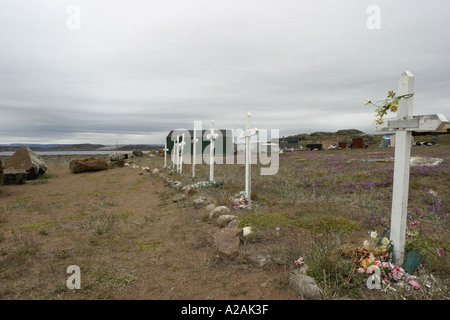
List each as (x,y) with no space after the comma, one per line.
(128,72)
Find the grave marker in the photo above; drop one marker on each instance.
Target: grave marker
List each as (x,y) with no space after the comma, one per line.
(194,151)
(181,150)
(211,137)
(247,134)
(177,152)
(165,154)
(403,125)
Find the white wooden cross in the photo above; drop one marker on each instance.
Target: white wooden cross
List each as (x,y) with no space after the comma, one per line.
(211,137)
(165,154)
(247,134)
(175,153)
(181,150)
(194,151)
(403,125)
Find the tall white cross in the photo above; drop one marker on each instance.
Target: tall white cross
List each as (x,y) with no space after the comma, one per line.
(177,153)
(194,152)
(211,137)
(403,125)
(247,134)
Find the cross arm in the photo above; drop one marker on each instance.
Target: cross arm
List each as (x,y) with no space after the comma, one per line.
(430,122)
(249,133)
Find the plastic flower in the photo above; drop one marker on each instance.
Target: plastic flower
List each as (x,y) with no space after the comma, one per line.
(366,262)
(366,244)
(299,262)
(396,273)
(385,242)
(414,284)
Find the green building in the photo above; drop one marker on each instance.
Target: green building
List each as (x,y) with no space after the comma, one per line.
(223,145)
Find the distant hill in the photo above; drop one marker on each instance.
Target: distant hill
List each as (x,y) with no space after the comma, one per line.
(52,147)
(78,147)
(16,146)
(341,135)
(369,139)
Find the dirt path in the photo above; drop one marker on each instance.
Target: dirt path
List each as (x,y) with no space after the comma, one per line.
(127,236)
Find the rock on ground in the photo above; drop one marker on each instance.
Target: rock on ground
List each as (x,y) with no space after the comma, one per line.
(210,207)
(27,160)
(304,286)
(226,241)
(116,156)
(138,153)
(116,164)
(86,165)
(201,202)
(176,184)
(220,210)
(179,197)
(224,219)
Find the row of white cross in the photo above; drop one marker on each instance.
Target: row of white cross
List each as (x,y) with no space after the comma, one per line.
(178,148)
(403,125)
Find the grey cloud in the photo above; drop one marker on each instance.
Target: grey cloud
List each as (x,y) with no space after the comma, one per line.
(147,67)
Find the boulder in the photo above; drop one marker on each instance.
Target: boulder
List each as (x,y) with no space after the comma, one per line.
(226,241)
(233,224)
(27,160)
(225,219)
(179,197)
(116,156)
(304,286)
(220,210)
(86,165)
(138,153)
(201,202)
(116,164)
(176,184)
(210,207)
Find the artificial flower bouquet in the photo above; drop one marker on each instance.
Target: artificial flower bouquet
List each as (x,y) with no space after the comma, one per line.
(376,255)
(240,200)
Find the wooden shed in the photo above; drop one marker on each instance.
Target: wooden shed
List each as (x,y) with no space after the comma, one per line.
(357,143)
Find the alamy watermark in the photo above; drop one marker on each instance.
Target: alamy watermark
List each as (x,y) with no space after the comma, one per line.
(231,148)
(74,281)
(73,21)
(373,22)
